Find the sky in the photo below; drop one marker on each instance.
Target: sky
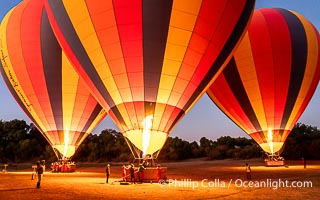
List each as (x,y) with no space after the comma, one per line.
(204,119)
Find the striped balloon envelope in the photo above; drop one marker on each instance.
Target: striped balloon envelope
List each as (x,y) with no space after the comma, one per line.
(148,61)
(42,80)
(271,78)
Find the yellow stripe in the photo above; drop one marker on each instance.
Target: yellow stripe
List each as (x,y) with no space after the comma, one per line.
(158,115)
(182,22)
(81,20)
(311,65)
(69,91)
(126,118)
(246,67)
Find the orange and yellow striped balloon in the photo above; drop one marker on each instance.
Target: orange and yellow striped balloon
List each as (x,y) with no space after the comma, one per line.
(148,61)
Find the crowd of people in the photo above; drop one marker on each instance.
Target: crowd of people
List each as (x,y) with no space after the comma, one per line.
(62,166)
(139,170)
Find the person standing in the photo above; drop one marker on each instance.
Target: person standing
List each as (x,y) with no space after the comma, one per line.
(141,171)
(158,173)
(39,172)
(132,174)
(108,172)
(304,162)
(124,173)
(248,171)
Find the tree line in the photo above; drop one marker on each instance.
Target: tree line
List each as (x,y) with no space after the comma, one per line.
(21,142)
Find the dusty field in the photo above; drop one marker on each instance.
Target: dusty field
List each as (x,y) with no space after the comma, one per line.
(195,179)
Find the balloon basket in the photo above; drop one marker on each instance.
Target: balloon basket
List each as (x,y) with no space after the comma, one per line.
(150,175)
(273,163)
(63,167)
(274,160)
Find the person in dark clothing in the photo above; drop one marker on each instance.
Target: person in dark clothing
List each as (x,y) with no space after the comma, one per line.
(132,174)
(158,173)
(39,172)
(108,172)
(248,171)
(141,172)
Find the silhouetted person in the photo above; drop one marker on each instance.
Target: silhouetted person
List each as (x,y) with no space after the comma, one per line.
(39,172)
(158,173)
(132,173)
(248,171)
(124,173)
(141,172)
(108,172)
(304,162)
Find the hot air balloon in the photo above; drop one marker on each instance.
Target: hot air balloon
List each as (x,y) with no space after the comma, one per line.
(271,78)
(148,61)
(42,80)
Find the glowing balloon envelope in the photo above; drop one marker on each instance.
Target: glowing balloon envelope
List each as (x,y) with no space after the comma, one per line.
(271,78)
(42,80)
(147,62)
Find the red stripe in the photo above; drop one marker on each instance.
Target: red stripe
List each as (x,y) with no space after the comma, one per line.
(271,47)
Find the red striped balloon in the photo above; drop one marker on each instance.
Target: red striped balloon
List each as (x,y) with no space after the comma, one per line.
(271,78)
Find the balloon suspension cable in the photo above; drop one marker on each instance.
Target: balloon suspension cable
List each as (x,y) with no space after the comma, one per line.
(273,156)
(138,155)
(60,156)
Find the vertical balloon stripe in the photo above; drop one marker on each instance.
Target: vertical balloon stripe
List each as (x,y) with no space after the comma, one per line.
(77,48)
(250,81)
(230,44)
(17,98)
(268,30)
(52,67)
(174,120)
(299,59)
(156,17)
(95,113)
(235,83)
(182,23)
(128,17)
(71,96)
(36,92)
(227,100)
(311,74)
(100,37)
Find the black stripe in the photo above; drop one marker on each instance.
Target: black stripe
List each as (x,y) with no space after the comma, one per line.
(52,66)
(75,44)
(156,19)
(234,81)
(227,49)
(93,116)
(263,136)
(149,108)
(299,60)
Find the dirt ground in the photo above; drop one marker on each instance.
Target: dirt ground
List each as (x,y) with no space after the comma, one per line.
(192,179)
